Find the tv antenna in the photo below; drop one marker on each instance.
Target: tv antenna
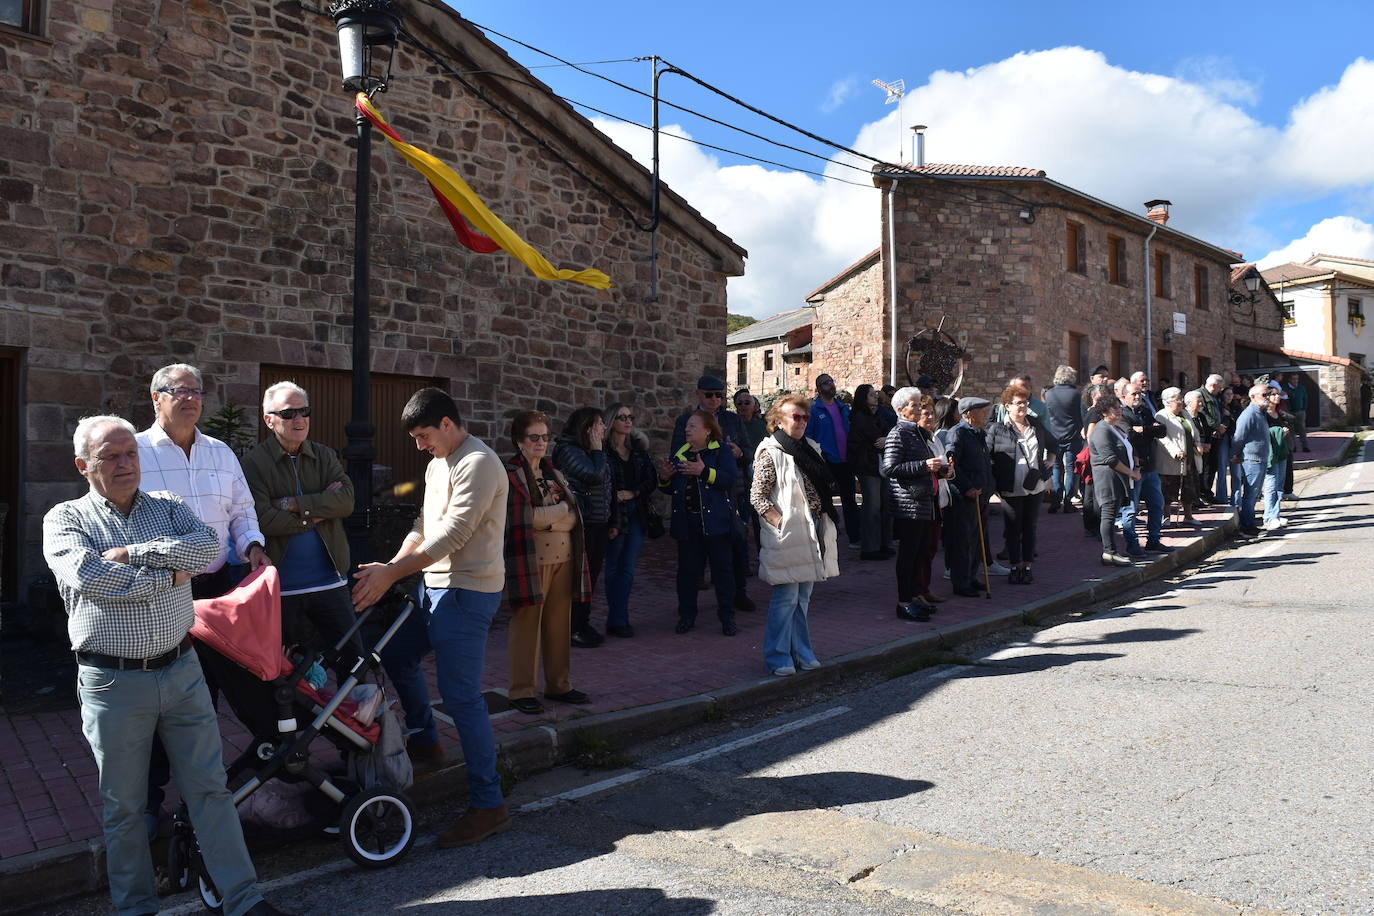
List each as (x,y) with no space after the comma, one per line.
(895,90)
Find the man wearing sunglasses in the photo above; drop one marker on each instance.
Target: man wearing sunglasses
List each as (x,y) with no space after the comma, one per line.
(302,495)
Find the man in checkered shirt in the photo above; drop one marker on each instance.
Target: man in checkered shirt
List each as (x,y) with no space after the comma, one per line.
(123,559)
(205,473)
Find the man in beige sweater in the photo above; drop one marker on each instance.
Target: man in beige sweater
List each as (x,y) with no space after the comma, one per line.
(459,542)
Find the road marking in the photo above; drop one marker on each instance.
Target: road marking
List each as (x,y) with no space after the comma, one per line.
(689,760)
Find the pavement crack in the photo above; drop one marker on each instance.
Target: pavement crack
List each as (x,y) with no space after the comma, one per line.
(862,873)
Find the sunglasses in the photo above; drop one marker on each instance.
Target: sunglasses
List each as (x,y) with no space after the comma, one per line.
(538,437)
(626,417)
(291,413)
(800,417)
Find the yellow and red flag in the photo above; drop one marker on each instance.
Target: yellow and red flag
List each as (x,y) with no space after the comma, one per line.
(462,206)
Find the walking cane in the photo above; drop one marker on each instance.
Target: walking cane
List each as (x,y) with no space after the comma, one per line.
(983,546)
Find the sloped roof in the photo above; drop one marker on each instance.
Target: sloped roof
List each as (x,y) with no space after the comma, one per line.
(772,327)
(971,171)
(1337,257)
(844,274)
(1293,273)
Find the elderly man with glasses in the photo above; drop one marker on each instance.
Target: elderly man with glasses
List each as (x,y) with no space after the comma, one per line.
(1250,449)
(177,457)
(302,495)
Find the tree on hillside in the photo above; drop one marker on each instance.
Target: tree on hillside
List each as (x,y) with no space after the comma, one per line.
(734,322)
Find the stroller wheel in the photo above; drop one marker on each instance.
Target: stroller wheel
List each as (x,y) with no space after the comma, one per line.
(179,868)
(377,827)
(209,896)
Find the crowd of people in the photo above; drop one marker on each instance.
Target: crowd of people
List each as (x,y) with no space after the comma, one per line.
(914,473)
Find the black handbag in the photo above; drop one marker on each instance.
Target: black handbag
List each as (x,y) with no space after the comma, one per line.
(653,522)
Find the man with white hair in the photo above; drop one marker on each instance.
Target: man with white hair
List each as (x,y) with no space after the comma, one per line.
(1211,422)
(1141,382)
(1250,449)
(301,496)
(123,559)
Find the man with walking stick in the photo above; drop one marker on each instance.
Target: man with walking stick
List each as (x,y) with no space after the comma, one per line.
(965,540)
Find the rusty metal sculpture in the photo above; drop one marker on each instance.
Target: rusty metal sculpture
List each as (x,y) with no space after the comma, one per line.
(934,352)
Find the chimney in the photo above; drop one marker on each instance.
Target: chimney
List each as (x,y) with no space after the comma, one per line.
(1158,211)
(918,144)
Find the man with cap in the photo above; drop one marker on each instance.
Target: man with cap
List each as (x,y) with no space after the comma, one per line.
(972,488)
(711,398)
(829,428)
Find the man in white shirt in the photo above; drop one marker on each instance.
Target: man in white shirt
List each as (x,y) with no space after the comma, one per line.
(177,457)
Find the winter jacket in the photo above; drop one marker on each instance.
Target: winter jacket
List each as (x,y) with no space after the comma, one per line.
(1064,406)
(821,429)
(972,464)
(802,547)
(1251,439)
(272,475)
(1004,447)
(1107,452)
(1144,441)
(909,480)
(641,468)
(713,489)
(590,478)
(1170,451)
(864,456)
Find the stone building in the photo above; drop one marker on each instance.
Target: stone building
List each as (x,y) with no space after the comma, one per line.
(177,185)
(1027,274)
(771,355)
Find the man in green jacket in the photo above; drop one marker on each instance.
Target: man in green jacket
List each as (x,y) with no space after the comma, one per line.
(302,495)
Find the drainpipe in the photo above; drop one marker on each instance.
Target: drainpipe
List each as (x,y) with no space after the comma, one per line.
(1149,314)
(892,281)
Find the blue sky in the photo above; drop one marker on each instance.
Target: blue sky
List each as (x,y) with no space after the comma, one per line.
(1256,119)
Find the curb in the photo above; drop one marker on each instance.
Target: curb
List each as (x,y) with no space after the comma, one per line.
(79,868)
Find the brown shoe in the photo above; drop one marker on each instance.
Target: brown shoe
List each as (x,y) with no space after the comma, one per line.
(474,826)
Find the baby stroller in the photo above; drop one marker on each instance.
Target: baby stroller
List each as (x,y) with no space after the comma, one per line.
(238,638)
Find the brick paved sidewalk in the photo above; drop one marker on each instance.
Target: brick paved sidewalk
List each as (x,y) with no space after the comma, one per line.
(48,792)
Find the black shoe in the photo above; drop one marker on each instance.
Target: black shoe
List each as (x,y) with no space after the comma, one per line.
(915,612)
(587,638)
(969,592)
(624,632)
(1026,577)
(1054,508)
(683,625)
(1158,547)
(575,697)
(728,628)
(528,705)
(873,555)
(1014,577)
(743,602)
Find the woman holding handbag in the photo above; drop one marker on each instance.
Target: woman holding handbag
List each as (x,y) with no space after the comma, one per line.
(913,465)
(1022,452)
(633,518)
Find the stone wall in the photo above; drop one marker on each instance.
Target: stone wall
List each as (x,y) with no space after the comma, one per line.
(177,185)
(850,333)
(1340,394)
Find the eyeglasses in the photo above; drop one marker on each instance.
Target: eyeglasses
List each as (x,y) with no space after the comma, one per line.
(626,418)
(291,413)
(800,417)
(182,394)
(713,394)
(538,437)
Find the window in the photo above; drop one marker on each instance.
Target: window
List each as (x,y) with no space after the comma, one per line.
(1164,367)
(1290,314)
(1078,353)
(1075,248)
(1120,358)
(21,14)
(1204,369)
(767,360)
(1199,286)
(1354,309)
(1162,280)
(1116,260)
(742,370)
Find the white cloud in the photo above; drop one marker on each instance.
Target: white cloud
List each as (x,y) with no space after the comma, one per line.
(1334,235)
(1218,76)
(1121,135)
(840,92)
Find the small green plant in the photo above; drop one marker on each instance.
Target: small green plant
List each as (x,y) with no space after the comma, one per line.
(714,713)
(592,750)
(927,659)
(231,426)
(508,778)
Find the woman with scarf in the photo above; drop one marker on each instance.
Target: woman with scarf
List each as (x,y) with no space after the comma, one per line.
(913,462)
(581,457)
(546,568)
(793,494)
(633,481)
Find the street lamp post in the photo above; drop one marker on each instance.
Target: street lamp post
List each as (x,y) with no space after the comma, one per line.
(367,43)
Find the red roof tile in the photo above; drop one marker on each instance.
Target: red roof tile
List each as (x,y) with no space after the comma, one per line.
(970,171)
(1291,272)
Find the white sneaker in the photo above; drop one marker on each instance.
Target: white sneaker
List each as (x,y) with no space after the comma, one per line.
(810,666)
(785,671)
(997,569)
(1275,525)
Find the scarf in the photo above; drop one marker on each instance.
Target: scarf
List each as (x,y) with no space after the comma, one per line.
(812,466)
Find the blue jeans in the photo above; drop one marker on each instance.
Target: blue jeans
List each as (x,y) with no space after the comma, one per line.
(787,636)
(1221,488)
(1148,489)
(1273,489)
(1125,516)
(120,712)
(454,622)
(1252,475)
(621,555)
(1062,477)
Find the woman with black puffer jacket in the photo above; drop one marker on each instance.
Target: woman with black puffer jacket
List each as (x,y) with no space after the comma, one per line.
(913,465)
(580,455)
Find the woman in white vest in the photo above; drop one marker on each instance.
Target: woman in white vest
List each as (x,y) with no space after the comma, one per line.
(793,494)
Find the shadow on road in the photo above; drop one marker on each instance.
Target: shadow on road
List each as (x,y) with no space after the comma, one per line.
(574,903)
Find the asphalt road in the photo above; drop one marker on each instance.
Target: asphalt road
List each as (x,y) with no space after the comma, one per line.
(1203,748)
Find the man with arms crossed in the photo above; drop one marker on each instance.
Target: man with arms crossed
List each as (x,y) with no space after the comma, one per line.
(123,559)
(459,542)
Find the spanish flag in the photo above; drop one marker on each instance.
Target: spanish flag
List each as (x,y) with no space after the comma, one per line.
(458,201)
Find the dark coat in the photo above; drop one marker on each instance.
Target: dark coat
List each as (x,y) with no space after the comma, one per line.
(909,480)
(713,490)
(1144,442)
(1107,452)
(647,482)
(863,455)
(589,476)
(972,464)
(1065,421)
(1004,448)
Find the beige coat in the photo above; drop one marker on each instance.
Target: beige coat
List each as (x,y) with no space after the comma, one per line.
(792,552)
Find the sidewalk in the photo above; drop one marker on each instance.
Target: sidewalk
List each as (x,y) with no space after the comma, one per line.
(49,801)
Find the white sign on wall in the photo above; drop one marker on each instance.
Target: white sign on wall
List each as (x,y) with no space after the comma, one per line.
(1180,323)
